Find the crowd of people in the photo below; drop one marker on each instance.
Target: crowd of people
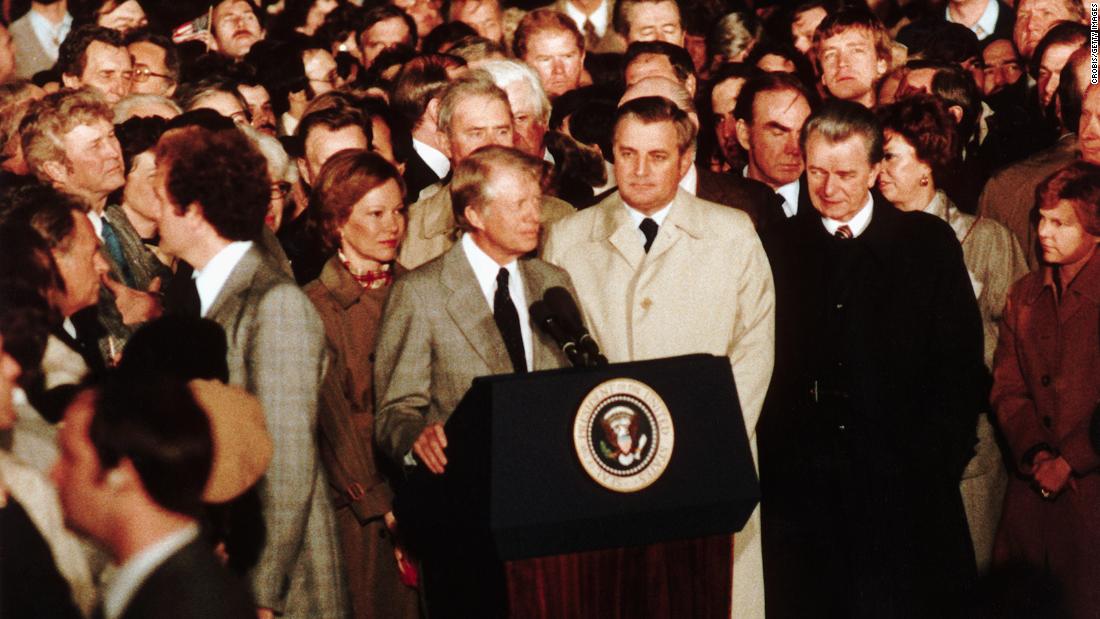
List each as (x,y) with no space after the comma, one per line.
(253,254)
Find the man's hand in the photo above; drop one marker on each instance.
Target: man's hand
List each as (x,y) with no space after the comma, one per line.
(429,447)
(1052,473)
(135,306)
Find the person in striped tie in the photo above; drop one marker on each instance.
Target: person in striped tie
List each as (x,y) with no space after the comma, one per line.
(879,377)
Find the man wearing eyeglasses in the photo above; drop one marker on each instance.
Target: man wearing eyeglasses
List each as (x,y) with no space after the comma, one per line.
(96,58)
(156,64)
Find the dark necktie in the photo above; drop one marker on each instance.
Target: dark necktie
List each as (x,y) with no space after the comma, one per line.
(507,319)
(844,232)
(181,298)
(114,250)
(591,37)
(649,229)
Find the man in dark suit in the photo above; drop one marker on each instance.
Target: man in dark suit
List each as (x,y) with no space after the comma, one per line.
(134,482)
(869,420)
(460,316)
(770,112)
(416,99)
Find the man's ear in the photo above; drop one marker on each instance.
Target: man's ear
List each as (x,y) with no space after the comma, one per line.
(474,217)
(70,81)
(445,144)
(690,84)
(123,477)
(303,170)
(57,171)
(743,134)
(874,175)
(956,113)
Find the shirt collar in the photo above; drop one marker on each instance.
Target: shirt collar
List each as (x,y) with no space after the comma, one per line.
(690,181)
(432,156)
(131,575)
(987,23)
(485,268)
(211,279)
(50,35)
(789,193)
(598,17)
(97,223)
(856,224)
(638,216)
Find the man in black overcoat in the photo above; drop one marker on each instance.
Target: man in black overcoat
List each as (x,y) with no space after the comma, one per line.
(870,417)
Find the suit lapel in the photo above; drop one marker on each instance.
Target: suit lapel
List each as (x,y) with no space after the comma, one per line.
(543,356)
(615,225)
(470,313)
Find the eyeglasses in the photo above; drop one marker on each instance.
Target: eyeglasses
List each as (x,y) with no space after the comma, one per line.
(279,190)
(143,74)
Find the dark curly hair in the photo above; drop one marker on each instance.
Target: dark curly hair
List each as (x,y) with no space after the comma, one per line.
(223,173)
(925,123)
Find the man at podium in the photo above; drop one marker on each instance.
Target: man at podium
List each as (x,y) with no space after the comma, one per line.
(659,273)
(458,317)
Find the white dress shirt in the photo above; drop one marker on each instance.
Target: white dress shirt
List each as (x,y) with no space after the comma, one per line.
(986,23)
(432,156)
(131,575)
(598,17)
(49,34)
(857,224)
(485,270)
(211,279)
(637,217)
(788,192)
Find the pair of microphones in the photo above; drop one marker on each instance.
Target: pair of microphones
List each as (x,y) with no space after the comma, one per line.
(557,315)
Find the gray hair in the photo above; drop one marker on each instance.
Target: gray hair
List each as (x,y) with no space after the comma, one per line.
(473,84)
(126,108)
(278,162)
(505,72)
(470,186)
(838,120)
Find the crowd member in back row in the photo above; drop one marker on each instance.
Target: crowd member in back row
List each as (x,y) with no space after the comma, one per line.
(853,53)
(69,142)
(473,112)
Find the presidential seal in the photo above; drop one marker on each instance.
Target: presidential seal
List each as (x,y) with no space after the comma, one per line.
(623,435)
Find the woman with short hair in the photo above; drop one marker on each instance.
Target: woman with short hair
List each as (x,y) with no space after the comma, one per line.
(359,203)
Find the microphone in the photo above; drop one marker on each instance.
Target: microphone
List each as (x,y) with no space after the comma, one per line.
(562,303)
(551,325)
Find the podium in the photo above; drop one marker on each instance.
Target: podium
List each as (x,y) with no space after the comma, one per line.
(517,452)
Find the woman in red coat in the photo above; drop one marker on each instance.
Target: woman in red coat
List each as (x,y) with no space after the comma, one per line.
(1046,385)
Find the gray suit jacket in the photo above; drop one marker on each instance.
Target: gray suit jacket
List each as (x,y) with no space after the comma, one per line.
(30,56)
(437,336)
(277,352)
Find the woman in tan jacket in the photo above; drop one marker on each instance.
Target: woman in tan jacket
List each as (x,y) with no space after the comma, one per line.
(359,202)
